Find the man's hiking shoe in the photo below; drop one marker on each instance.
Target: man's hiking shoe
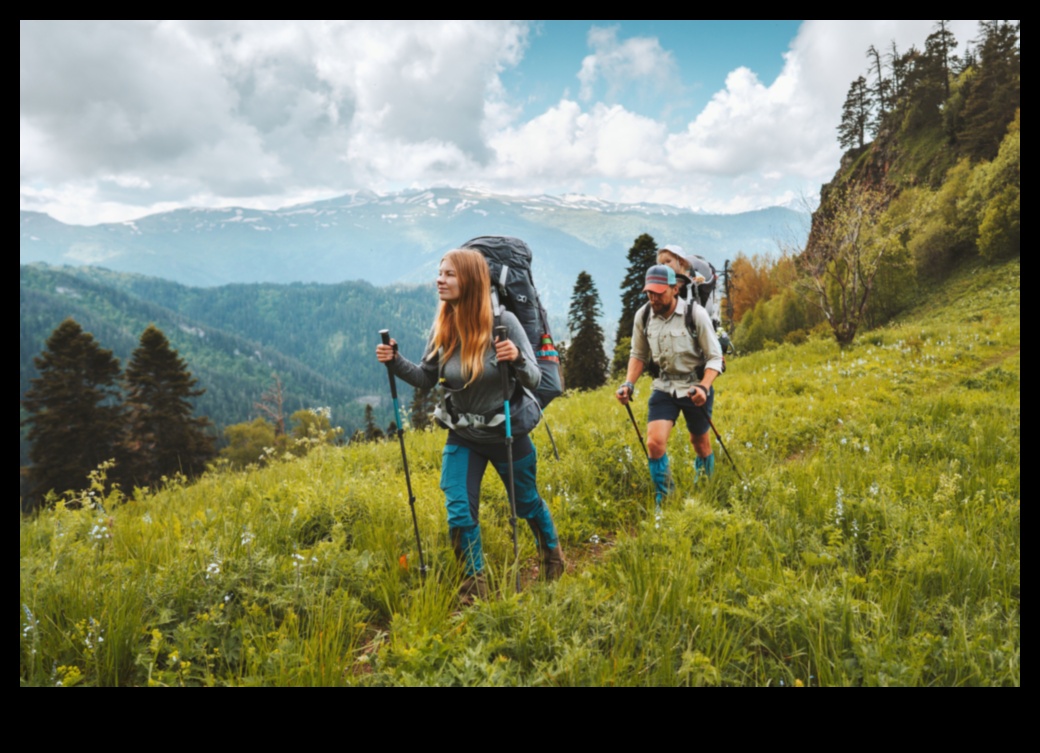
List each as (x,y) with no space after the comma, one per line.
(472,588)
(553,563)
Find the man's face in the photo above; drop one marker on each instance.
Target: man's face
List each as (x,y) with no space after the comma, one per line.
(662,303)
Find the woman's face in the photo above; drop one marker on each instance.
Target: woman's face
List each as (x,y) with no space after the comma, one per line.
(447,282)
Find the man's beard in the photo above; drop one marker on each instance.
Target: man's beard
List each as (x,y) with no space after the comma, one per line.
(659,307)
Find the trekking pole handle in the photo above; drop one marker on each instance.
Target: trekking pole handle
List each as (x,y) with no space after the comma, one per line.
(385,335)
(631,390)
(501,335)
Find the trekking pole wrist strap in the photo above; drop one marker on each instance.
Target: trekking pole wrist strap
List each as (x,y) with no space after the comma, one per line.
(631,387)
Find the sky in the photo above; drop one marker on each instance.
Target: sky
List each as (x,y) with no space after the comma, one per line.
(119,119)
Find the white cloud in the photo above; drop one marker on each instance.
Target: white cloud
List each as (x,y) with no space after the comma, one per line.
(620,63)
(567,142)
(118,119)
(245,110)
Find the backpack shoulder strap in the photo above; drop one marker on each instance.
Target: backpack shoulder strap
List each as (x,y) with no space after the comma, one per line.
(691,325)
(645,316)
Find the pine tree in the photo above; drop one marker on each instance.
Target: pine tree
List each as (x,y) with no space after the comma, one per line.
(74,411)
(940,45)
(855,115)
(164,438)
(641,257)
(995,92)
(422,407)
(372,430)
(586,364)
(880,90)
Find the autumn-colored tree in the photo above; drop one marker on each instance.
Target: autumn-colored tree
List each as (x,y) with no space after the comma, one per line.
(750,280)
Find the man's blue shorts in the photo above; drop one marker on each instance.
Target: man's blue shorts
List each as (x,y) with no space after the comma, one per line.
(666,407)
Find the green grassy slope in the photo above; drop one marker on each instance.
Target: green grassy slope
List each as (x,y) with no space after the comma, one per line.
(876,541)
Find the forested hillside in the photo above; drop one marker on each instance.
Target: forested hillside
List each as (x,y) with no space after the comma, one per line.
(318,339)
(931,179)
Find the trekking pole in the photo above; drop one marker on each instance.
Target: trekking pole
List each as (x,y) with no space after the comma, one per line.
(503,370)
(551,440)
(719,438)
(385,334)
(636,426)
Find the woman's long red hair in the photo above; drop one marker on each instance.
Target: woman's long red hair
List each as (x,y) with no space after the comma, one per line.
(467,322)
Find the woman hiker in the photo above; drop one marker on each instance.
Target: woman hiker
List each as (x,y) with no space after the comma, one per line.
(463,358)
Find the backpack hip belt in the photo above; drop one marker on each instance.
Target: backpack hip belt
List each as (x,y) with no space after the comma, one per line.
(698,372)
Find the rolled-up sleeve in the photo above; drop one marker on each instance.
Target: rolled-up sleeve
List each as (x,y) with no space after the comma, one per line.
(640,346)
(708,340)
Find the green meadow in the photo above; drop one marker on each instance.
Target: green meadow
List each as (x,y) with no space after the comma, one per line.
(863,529)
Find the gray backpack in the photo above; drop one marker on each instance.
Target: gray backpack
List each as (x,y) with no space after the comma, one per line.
(512,287)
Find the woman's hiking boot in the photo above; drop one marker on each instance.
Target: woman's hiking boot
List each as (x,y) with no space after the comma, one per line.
(473,587)
(553,563)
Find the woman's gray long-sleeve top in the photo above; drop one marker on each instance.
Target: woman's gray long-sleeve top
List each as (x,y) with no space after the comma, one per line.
(484,396)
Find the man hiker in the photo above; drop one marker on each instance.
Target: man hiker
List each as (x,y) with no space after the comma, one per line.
(682,345)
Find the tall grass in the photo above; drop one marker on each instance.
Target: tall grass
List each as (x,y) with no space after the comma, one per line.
(876,541)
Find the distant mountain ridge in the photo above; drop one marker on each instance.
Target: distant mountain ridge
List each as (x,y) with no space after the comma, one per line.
(398,238)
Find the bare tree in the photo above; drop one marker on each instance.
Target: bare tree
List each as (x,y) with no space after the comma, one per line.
(881,89)
(843,256)
(271,405)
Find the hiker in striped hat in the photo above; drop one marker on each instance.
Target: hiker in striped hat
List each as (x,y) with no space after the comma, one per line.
(675,341)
